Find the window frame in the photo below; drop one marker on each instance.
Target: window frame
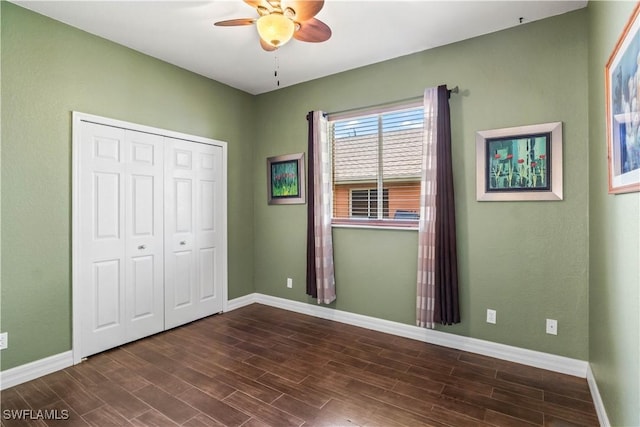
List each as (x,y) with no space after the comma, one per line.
(386,223)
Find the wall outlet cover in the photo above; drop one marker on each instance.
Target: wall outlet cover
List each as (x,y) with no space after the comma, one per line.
(491,316)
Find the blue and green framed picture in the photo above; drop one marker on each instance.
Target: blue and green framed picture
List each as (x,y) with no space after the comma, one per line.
(285,179)
(519,163)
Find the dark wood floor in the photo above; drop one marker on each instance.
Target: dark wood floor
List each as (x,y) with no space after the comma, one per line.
(261,366)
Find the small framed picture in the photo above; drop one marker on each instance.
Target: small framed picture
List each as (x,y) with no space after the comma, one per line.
(285,179)
(623,110)
(519,163)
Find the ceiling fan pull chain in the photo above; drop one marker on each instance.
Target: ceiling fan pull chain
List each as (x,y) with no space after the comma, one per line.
(276,67)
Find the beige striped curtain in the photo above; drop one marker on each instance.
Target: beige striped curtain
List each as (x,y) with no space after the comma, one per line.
(321,283)
(427,223)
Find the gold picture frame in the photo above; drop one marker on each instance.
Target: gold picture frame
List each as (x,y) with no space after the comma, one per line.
(623,109)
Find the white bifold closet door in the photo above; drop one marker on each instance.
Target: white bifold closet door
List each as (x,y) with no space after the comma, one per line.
(193,231)
(149,235)
(121,217)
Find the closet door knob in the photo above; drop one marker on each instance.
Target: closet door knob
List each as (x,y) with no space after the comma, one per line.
(141,247)
(183,242)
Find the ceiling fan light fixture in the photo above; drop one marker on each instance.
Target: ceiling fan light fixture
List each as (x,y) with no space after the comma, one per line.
(275,29)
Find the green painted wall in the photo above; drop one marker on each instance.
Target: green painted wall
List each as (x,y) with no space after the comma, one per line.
(48,70)
(614,233)
(527,260)
(575,260)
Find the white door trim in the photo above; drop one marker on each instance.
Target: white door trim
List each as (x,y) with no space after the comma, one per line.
(77,119)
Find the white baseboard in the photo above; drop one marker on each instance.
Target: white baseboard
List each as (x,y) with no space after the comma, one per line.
(241,302)
(533,358)
(565,365)
(31,371)
(603,419)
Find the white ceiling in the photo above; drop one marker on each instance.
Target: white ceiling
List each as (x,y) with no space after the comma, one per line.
(364,32)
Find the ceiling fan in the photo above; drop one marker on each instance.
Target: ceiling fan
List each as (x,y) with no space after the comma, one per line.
(280,20)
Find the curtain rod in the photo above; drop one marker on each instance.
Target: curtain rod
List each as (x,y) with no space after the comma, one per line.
(399,101)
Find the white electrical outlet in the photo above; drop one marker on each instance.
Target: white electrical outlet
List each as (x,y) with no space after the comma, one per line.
(552,326)
(4,340)
(491,316)
(289,282)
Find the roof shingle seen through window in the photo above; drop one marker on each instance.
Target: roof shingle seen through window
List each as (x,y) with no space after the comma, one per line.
(356,157)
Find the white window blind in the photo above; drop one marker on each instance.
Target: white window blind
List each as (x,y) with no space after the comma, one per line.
(376,161)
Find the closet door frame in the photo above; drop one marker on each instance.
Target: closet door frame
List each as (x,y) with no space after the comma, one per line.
(78,118)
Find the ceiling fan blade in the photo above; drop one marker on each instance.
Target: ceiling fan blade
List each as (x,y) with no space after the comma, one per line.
(266,46)
(235,22)
(313,30)
(303,9)
(256,3)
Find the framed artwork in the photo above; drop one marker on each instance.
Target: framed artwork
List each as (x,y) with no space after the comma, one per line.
(519,163)
(623,110)
(285,179)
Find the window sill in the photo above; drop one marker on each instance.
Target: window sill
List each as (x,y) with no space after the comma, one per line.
(390,224)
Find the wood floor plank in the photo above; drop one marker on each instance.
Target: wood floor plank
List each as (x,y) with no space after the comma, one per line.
(299,391)
(552,411)
(169,383)
(82,402)
(105,416)
(366,376)
(262,411)
(511,397)
(297,408)
(204,382)
(376,359)
(340,413)
(500,419)
(260,366)
(248,386)
(172,408)
(528,415)
(201,420)
(214,408)
(62,415)
(125,403)
(444,403)
(455,418)
(285,371)
(516,388)
(36,393)
(446,378)
(152,419)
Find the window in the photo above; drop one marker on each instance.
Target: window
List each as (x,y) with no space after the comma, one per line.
(364,203)
(376,159)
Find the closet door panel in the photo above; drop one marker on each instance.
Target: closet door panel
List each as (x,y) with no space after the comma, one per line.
(142,282)
(106,194)
(106,289)
(183,207)
(208,160)
(180,274)
(192,222)
(144,213)
(207,230)
(207,277)
(183,276)
(101,240)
